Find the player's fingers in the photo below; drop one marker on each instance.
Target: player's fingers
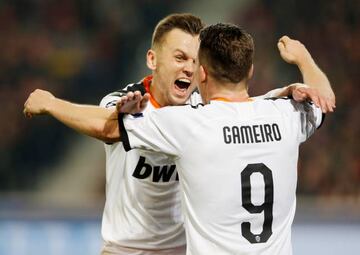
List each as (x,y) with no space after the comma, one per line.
(281,46)
(143,103)
(126,98)
(303,97)
(299,94)
(284,39)
(330,105)
(333,103)
(323,105)
(27,114)
(145,99)
(137,96)
(309,94)
(137,93)
(327,107)
(130,96)
(120,103)
(315,99)
(304,89)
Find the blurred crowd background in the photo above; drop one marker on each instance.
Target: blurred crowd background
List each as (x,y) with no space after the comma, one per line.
(81,50)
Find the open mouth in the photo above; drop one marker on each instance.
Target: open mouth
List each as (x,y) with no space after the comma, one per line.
(182,84)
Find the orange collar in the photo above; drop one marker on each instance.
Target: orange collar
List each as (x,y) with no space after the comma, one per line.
(147,82)
(224,99)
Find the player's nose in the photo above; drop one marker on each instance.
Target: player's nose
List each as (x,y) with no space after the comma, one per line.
(189,68)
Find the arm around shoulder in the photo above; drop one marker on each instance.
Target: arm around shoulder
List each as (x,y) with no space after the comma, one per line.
(294,52)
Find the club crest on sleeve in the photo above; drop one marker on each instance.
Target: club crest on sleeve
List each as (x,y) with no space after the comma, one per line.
(110,104)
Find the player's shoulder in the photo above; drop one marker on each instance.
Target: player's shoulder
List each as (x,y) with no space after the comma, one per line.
(179,113)
(284,104)
(110,99)
(289,108)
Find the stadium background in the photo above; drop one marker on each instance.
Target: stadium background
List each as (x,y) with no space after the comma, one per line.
(52,179)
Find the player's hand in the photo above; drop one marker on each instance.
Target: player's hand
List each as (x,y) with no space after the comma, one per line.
(132,102)
(302,92)
(293,51)
(37,102)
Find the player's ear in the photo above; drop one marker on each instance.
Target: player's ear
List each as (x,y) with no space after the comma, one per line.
(151,59)
(251,72)
(202,73)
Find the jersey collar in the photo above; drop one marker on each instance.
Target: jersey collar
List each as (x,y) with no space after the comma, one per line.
(147,82)
(224,99)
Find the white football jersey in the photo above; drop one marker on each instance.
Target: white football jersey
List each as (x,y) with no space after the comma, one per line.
(142,208)
(237,165)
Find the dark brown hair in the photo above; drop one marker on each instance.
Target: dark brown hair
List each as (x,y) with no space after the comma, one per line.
(183,21)
(226,51)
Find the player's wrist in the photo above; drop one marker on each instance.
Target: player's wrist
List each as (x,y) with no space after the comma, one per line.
(51,104)
(306,62)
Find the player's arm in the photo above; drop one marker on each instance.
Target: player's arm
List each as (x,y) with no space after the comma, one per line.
(294,52)
(94,121)
(301,92)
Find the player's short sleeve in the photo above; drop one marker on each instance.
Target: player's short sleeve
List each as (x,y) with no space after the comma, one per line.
(153,132)
(270,94)
(311,118)
(110,99)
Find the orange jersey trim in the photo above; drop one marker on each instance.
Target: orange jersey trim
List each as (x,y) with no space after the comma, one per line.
(147,82)
(229,100)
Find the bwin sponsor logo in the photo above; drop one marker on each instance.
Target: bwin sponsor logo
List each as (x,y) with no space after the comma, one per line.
(164,173)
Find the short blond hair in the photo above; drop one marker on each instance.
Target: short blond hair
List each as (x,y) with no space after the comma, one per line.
(183,21)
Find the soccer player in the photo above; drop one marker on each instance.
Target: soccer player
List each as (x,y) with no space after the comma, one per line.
(236,157)
(142,209)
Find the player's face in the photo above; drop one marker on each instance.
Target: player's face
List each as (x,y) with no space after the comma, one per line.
(175,67)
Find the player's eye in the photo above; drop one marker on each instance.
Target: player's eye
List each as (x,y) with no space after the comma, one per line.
(179,57)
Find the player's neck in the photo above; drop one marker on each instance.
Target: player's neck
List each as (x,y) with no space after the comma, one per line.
(229,92)
(231,97)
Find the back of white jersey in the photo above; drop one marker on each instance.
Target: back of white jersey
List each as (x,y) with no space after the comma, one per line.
(237,164)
